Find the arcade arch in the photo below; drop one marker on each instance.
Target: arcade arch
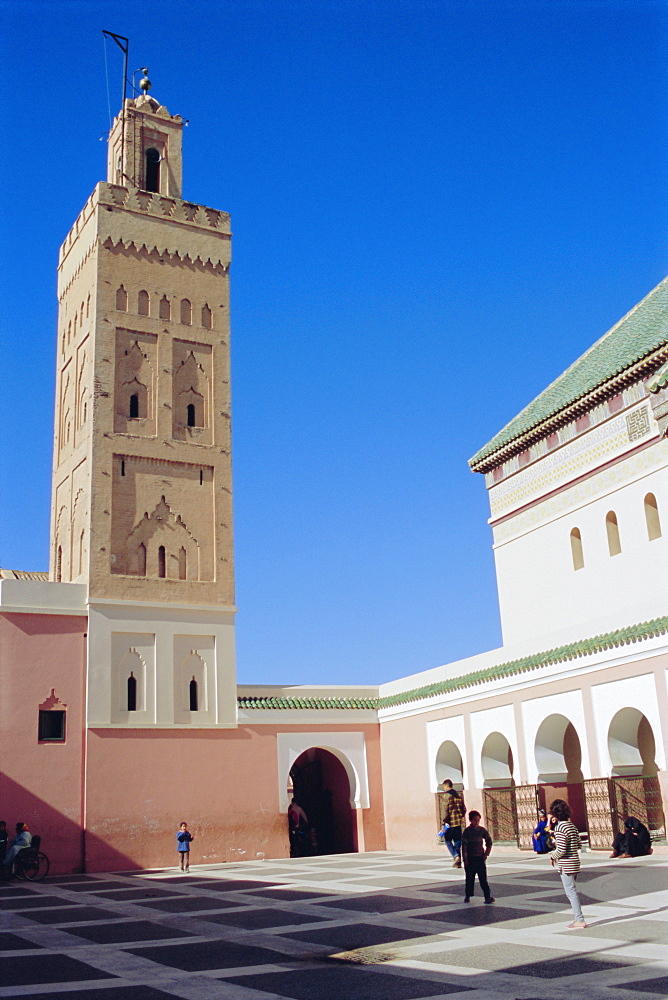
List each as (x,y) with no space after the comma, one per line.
(496,760)
(631,744)
(557,751)
(449,764)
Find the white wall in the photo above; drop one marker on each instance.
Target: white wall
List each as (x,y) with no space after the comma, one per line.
(172,644)
(543,597)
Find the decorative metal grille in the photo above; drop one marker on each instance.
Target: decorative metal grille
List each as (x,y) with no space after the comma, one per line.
(639,797)
(500,813)
(601,817)
(526,804)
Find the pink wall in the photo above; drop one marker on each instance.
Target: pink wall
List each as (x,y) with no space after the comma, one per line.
(40,783)
(223,783)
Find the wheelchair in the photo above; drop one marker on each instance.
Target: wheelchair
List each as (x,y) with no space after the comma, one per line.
(30,863)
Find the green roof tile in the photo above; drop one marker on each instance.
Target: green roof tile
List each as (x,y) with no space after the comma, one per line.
(639,333)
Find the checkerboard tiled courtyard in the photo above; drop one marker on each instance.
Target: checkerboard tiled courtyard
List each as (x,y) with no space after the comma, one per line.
(352,927)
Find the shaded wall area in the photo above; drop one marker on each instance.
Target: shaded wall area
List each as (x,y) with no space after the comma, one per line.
(42,666)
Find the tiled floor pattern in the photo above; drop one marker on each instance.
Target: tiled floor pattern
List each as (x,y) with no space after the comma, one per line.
(359,927)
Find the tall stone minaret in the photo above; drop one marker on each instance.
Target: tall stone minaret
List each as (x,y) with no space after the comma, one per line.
(142,489)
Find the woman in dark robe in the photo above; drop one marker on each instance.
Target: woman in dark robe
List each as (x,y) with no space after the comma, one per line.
(633,842)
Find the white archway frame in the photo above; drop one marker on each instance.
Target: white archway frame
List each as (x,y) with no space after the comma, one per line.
(495,757)
(536,710)
(442,731)
(348,748)
(623,741)
(632,692)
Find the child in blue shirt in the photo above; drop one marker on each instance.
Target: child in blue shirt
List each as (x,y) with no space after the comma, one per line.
(183,839)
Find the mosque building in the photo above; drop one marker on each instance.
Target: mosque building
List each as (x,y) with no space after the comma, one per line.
(121,713)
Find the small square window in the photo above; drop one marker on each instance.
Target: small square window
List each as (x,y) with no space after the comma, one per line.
(51,727)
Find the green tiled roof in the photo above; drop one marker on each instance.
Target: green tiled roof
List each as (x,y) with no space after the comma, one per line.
(571,651)
(259,701)
(638,334)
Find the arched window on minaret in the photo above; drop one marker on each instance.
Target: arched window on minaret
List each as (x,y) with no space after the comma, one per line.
(192,690)
(652,517)
(186,312)
(152,168)
(121,300)
(182,564)
(134,405)
(142,303)
(191,415)
(162,569)
(132,693)
(165,310)
(141,560)
(206,317)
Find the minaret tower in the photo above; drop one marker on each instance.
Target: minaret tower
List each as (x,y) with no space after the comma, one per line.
(142,489)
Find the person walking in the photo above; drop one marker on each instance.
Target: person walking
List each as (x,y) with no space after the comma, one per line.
(455,813)
(566,858)
(183,840)
(476,846)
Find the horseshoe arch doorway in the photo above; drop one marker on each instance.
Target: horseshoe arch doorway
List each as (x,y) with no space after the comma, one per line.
(320,785)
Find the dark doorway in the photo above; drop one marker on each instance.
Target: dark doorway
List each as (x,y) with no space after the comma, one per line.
(321,787)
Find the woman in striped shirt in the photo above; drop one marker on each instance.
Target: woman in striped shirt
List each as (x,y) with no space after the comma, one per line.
(566,857)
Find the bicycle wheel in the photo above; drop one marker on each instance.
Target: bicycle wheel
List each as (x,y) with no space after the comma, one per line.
(37,868)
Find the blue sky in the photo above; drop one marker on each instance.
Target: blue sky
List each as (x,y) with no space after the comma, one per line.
(436,207)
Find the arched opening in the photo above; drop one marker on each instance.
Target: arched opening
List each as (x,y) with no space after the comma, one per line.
(165,309)
(449,765)
(132,693)
(206,317)
(499,788)
(162,567)
(153,169)
(631,744)
(321,787)
(121,299)
(558,756)
(497,762)
(652,517)
(141,560)
(191,415)
(134,405)
(192,693)
(143,303)
(612,529)
(182,564)
(576,549)
(186,312)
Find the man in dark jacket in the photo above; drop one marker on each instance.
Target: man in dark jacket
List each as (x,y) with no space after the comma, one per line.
(455,813)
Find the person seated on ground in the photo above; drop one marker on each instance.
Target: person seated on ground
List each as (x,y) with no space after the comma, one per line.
(633,842)
(539,837)
(22,840)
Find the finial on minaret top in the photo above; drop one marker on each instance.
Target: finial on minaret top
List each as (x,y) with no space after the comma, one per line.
(145,83)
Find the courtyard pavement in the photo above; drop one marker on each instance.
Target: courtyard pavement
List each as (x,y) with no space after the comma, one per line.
(379,926)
